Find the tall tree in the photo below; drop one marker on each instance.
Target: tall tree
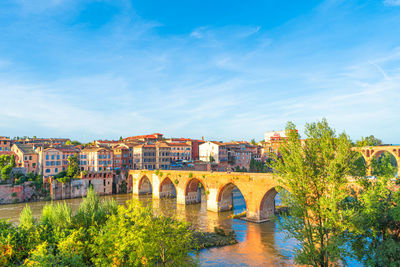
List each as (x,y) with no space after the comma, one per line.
(369,141)
(313,180)
(73,167)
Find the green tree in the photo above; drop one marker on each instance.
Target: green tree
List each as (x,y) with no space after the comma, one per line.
(135,237)
(73,167)
(384,166)
(313,180)
(368,141)
(5,172)
(253,141)
(12,161)
(374,222)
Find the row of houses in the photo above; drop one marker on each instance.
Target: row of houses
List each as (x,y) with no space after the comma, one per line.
(50,156)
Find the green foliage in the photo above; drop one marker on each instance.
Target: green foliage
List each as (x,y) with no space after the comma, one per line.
(26,220)
(315,174)
(374,223)
(75,143)
(257,166)
(134,237)
(12,161)
(92,211)
(369,141)
(253,142)
(73,167)
(211,159)
(7,163)
(359,166)
(5,172)
(384,166)
(190,175)
(176,181)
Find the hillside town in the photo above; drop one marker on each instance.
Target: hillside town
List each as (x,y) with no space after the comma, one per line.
(103,164)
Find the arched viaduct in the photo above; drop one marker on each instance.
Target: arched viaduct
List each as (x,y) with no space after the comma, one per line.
(258,189)
(370,152)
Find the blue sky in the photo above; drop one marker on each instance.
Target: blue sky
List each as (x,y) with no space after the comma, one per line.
(219,69)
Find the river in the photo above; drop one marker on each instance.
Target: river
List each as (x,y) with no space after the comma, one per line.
(259,244)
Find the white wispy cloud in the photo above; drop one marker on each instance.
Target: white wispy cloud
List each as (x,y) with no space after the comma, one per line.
(392,2)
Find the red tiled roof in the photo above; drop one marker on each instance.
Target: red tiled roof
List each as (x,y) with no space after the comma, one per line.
(148,136)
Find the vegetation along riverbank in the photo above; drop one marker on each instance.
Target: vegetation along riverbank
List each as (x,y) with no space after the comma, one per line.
(101,233)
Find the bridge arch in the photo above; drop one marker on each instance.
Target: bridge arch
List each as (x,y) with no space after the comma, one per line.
(267,205)
(145,186)
(167,188)
(194,188)
(225,197)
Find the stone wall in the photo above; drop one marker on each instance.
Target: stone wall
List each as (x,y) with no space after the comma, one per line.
(16,194)
(76,188)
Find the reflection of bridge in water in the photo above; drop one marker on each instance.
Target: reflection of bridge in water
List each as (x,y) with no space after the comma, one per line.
(258,189)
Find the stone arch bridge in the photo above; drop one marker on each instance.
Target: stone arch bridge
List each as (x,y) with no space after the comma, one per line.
(370,152)
(258,189)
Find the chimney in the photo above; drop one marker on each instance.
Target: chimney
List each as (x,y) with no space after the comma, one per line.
(202,138)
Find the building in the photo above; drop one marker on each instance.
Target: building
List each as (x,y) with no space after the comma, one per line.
(96,159)
(5,145)
(122,160)
(26,157)
(272,143)
(240,154)
(67,152)
(192,142)
(163,159)
(274,135)
(150,138)
(152,156)
(106,143)
(144,156)
(213,151)
(180,151)
(50,161)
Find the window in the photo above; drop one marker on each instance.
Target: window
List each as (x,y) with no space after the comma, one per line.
(30,157)
(47,170)
(47,157)
(52,156)
(26,158)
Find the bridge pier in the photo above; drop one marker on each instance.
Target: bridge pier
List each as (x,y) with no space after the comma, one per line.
(180,196)
(212,204)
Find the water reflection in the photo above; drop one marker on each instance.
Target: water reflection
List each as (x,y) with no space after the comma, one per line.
(259,244)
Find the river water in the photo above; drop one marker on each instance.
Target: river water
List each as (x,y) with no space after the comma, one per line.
(259,244)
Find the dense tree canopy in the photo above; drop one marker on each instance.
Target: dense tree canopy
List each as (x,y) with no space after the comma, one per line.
(99,233)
